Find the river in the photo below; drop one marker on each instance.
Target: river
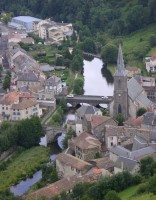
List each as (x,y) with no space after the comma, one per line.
(95,84)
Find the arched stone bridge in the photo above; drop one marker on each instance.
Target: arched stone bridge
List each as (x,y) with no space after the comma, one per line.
(53,132)
(89,99)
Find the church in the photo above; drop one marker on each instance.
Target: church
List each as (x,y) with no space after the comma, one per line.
(129,95)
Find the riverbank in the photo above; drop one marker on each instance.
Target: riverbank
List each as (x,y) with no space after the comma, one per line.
(22,165)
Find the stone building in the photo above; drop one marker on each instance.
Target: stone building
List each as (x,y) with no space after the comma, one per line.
(128,96)
(85,146)
(68,165)
(120,88)
(95,124)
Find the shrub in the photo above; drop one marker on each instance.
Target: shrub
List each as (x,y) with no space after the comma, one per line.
(141,188)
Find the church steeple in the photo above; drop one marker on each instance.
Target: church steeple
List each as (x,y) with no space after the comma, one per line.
(120,88)
(120,63)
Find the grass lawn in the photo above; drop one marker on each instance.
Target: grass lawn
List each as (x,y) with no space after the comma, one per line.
(137,43)
(23,165)
(129,194)
(124,195)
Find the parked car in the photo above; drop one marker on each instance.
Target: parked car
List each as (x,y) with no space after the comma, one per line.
(70,95)
(104,97)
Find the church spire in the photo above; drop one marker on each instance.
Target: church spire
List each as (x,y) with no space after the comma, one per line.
(120,63)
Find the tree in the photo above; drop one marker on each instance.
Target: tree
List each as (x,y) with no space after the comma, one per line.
(63,104)
(29,132)
(77,63)
(147,166)
(141,111)
(89,46)
(7,81)
(109,53)
(120,118)
(78,86)
(112,195)
(71,133)
(152,40)
(152,184)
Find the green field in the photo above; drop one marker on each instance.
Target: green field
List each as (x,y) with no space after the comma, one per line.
(137,44)
(22,165)
(130,194)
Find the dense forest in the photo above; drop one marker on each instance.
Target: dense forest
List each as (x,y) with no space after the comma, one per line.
(115,17)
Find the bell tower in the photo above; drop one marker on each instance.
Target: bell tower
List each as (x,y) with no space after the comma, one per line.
(120,88)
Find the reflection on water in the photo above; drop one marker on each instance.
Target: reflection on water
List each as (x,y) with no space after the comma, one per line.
(95,83)
(107,74)
(23,186)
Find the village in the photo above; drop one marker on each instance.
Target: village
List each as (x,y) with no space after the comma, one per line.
(101,147)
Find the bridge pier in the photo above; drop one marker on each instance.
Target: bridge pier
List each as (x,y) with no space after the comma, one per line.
(52,133)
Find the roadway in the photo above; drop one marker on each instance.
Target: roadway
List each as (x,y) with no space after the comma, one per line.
(90,99)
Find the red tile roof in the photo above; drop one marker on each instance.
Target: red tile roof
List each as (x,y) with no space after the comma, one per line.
(64,184)
(96,120)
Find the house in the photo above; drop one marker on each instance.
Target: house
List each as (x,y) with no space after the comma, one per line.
(23,22)
(28,40)
(134,122)
(151,64)
(25,109)
(149,120)
(27,78)
(148,83)
(18,106)
(117,135)
(87,109)
(54,32)
(119,151)
(113,135)
(103,163)
(126,164)
(132,71)
(85,146)
(63,185)
(54,83)
(45,98)
(95,124)
(68,165)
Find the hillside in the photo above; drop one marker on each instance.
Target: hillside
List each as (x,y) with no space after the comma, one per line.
(103,22)
(129,194)
(117,17)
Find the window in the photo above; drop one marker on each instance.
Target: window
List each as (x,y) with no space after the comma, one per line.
(119,109)
(26,112)
(2,108)
(6,108)
(111,144)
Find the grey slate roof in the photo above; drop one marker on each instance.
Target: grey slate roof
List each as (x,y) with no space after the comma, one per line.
(120,64)
(126,163)
(135,92)
(28,76)
(86,109)
(149,119)
(153,135)
(121,151)
(134,89)
(139,143)
(53,80)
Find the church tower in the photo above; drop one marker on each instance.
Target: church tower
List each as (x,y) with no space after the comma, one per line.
(120,88)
